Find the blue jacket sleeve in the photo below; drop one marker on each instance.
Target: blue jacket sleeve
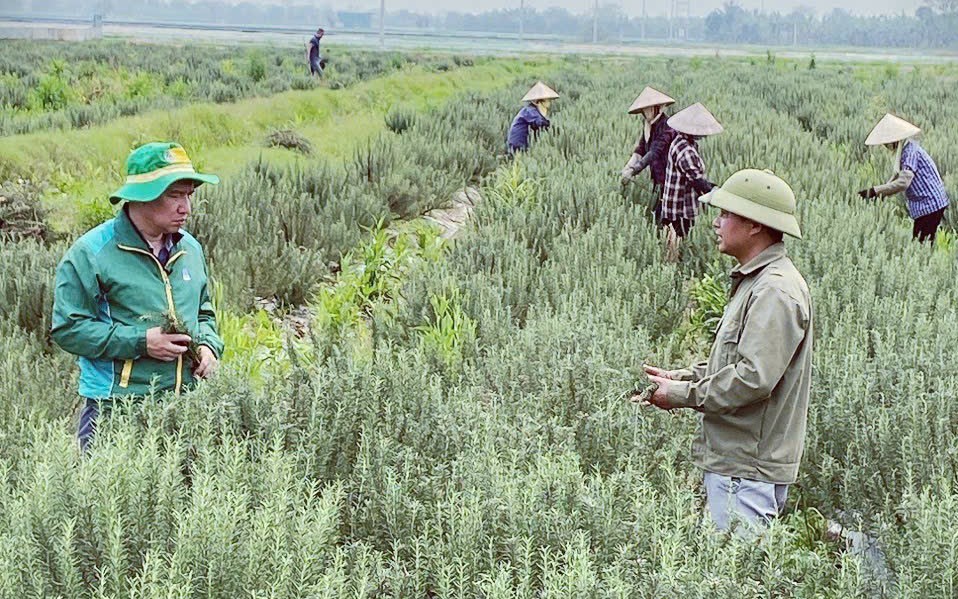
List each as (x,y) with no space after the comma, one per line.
(535,118)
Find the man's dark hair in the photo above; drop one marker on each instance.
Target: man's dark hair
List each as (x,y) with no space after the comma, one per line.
(775,234)
(320,31)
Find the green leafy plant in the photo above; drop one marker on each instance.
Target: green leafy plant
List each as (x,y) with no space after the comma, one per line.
(53,93)
(398,119)
(256,67)
(449,329)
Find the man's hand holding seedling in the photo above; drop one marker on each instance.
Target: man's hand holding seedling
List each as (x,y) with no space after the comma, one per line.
(165,347)
(660,381)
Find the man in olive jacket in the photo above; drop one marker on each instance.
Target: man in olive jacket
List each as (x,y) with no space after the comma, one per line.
(121,284)
(753,391)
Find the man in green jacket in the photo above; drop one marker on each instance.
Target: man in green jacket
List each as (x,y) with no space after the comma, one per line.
(753,391)
(121,287)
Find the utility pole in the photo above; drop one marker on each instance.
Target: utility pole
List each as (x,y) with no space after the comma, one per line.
(382,24)
(671,21)
(522,12)
(678,8)
(98,20)
(644,17)
(595,23)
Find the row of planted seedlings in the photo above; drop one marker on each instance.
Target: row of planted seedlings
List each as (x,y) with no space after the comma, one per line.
(54,85)
(544,264)
(304,218)
(840,105)
(472,439)
(881,440)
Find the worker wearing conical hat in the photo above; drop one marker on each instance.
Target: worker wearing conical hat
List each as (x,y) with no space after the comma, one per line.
(534,116)
(685,178)
(652,147)
(915,174)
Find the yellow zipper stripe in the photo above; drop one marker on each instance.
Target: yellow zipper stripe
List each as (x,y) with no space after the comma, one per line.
(179,374)
(169,301)
(172,258)
(125,374)
(169,294)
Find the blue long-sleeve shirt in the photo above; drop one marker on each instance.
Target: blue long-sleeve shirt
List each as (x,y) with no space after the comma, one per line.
(528,117)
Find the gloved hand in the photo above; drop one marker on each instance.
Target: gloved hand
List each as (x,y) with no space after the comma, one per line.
(627,174)
(868,193)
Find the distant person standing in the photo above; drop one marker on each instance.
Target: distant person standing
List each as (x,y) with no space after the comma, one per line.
(316,62)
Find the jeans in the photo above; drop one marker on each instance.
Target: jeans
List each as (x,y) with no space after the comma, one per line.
(732,499)
(86,427)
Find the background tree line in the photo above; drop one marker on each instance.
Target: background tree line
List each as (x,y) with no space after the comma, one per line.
(932,25)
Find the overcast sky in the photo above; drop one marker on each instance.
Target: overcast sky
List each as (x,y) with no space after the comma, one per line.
(634,7)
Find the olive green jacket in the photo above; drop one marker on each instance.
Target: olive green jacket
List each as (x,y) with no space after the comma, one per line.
(753,391)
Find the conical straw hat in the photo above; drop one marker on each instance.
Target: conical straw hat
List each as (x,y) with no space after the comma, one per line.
(540,91)
(649,97)
(891,129)
(695,120)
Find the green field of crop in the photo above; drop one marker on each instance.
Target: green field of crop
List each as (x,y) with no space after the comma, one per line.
(401,416)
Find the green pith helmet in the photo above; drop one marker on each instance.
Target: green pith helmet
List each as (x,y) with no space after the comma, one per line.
(153,167)
(759,196)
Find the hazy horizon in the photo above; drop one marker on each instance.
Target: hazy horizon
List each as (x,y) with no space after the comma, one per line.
(634,7)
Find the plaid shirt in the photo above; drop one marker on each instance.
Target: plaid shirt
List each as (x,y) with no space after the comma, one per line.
(679,196)
(926,194)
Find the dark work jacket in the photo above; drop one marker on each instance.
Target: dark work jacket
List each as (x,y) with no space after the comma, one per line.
(528,118)
(655,154)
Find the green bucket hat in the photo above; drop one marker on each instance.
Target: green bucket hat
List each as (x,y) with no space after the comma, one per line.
(153,167)
(759,196)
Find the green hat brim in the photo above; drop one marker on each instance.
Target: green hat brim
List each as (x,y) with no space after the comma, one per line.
(150,190)
(723,200)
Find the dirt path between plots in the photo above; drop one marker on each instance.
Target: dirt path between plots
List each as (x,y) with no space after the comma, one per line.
(452,218)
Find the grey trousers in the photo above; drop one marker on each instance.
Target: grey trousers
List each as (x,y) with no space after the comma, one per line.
(734,500)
